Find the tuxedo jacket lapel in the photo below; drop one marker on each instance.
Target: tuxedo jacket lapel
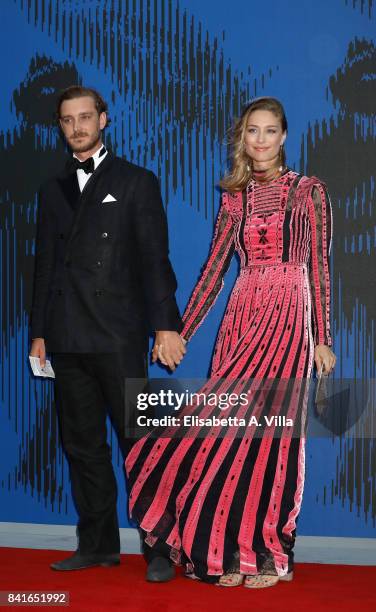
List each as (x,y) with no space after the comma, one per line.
(85,196)
(70,188)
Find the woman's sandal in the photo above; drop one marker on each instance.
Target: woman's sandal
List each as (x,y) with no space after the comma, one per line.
(231,579)
(261,581)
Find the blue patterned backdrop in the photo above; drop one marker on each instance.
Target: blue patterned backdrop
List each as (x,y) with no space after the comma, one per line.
(175,74)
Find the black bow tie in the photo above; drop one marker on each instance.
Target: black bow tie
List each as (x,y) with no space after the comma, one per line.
(87,165)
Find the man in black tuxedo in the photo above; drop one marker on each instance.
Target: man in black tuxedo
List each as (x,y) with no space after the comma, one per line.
(103,281)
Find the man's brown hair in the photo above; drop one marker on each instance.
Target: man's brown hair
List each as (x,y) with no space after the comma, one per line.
(77,91)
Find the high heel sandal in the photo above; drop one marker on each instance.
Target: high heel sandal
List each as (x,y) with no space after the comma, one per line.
(228,580)
(233,577)
(262,581)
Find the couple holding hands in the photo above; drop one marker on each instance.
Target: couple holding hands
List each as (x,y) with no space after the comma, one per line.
(224,507)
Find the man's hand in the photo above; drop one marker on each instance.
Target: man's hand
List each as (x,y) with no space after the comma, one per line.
(168,348)
(325,357)
(38,349)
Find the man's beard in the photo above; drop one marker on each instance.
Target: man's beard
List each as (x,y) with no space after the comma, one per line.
(82,148)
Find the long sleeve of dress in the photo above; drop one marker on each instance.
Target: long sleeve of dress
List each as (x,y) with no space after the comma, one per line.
(211,280)
(321,221)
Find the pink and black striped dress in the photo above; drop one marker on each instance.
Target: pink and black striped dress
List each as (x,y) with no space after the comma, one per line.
(223,501)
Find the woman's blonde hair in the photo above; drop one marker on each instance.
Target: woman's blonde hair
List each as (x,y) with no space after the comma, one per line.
(241,173)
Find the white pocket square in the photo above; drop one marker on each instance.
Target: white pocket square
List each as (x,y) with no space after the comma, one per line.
(109,198)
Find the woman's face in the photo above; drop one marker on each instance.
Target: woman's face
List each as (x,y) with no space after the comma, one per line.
(263,136)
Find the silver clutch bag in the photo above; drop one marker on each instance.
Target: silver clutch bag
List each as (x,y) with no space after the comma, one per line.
(322,391)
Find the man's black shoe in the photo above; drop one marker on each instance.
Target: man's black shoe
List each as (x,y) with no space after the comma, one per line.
(160,569)
(78,561)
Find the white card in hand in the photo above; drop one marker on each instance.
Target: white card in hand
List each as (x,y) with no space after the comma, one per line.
(46,372)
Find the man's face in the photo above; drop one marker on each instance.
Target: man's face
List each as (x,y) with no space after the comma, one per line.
(81,123)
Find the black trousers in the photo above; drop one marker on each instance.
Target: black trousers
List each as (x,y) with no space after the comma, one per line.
(88,387)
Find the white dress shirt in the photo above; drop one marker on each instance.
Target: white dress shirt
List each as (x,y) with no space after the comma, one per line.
(82,177)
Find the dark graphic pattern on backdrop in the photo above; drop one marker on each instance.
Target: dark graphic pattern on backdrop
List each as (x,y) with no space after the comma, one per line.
(364,6)
(342,152)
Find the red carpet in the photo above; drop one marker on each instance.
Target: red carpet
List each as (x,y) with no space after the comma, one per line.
(315,587)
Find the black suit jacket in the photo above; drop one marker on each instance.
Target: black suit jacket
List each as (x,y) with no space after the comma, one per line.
(103,276)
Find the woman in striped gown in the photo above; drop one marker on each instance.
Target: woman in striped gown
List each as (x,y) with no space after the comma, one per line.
(227,504)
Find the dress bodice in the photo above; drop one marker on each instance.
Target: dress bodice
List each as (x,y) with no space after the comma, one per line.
(268,220)
(286,221)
